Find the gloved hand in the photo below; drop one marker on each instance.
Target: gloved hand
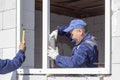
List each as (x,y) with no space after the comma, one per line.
(53,34)
(53,53)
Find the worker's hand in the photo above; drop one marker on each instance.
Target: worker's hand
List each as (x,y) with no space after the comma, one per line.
(22,46)
(52,53)
(53,34)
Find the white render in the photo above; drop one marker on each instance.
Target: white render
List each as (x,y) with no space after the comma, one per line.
(8,33)
(8,37)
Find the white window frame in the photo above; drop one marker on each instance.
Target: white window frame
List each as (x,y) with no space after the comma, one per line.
(46,27)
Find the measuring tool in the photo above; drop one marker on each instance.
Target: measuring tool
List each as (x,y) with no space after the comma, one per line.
(23,35)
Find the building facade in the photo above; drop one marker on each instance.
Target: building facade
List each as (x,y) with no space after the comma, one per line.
(18,14)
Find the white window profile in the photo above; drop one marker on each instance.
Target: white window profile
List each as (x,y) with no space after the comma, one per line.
(104,70)
(45,70)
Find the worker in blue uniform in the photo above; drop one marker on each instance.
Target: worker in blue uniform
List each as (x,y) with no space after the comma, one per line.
(84,53)
(8,65)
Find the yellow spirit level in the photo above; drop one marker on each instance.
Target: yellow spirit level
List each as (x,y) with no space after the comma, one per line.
(23,35)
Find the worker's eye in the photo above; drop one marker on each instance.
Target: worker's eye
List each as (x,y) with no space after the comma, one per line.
(71,35)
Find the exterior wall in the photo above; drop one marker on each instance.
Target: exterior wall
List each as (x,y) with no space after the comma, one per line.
(8,39)
(8,33)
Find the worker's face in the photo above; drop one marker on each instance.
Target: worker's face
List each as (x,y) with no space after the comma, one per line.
(76,34)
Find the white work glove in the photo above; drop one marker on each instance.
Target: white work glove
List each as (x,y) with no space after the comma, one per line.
(53,53)
(53,34)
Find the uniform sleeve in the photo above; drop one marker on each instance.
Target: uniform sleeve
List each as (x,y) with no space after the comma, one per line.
(74,61)
(7,65)
(62,33)
(60,30)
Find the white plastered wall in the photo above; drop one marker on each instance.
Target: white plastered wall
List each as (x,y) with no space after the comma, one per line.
(8,33)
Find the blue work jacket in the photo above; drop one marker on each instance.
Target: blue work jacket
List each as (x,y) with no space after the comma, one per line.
(8,65)
(84,54)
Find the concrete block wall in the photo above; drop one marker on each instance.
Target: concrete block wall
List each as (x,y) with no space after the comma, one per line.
(8,33)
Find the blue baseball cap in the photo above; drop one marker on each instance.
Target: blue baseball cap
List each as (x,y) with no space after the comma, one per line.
(75,24)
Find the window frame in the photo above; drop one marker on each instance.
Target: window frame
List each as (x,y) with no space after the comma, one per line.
(46,70)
